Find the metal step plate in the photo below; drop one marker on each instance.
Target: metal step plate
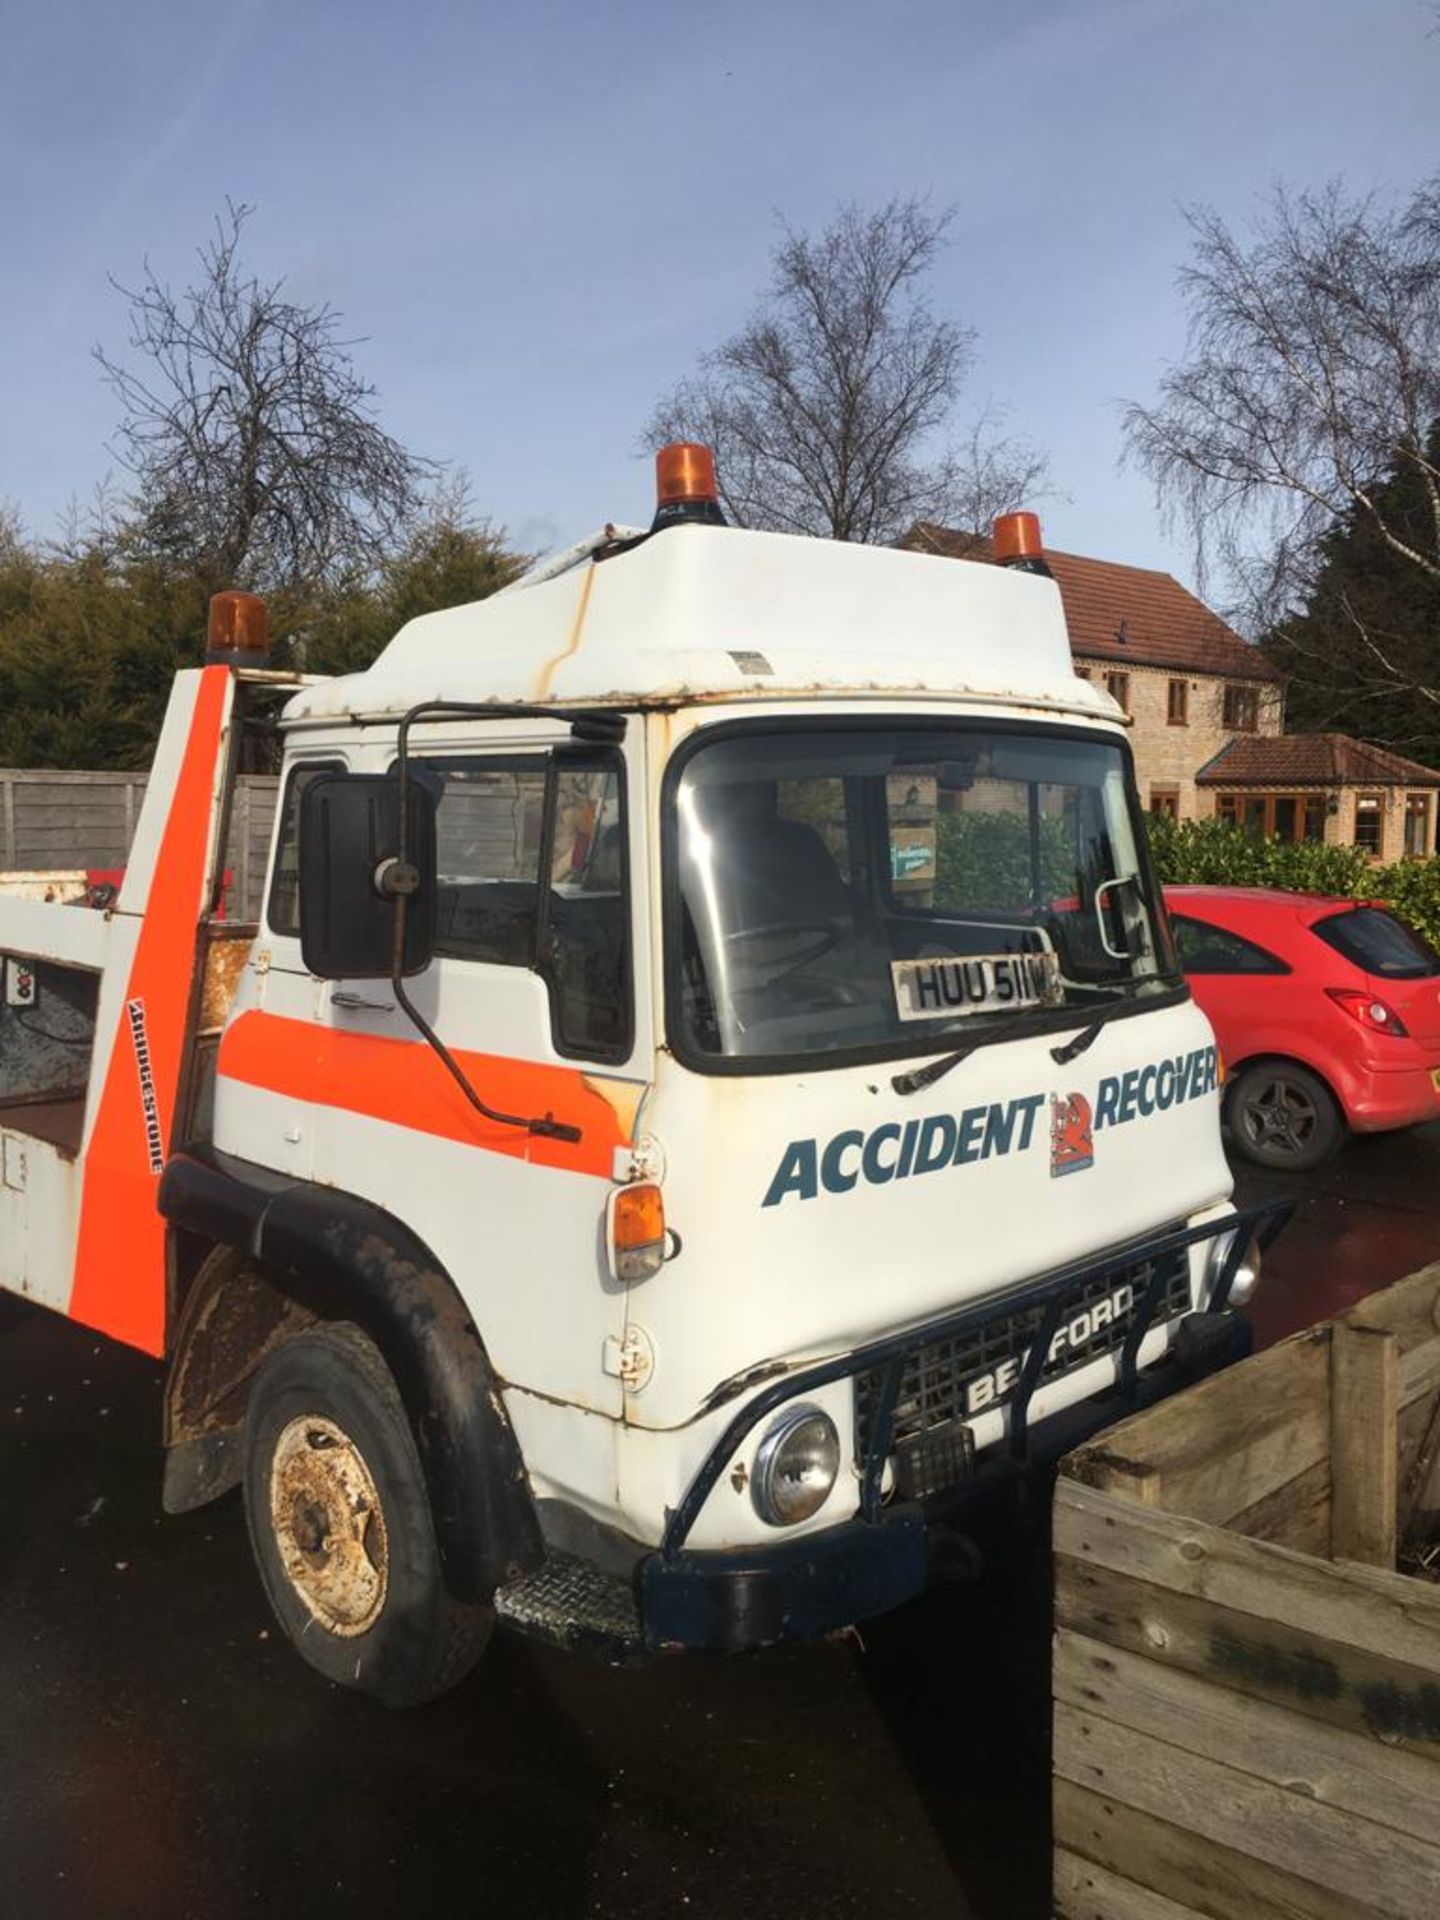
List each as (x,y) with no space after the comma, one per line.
(571,1604)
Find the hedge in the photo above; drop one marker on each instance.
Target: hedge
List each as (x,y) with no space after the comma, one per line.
(1218,853)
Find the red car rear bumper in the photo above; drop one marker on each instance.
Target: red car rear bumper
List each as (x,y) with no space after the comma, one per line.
(1404,1094)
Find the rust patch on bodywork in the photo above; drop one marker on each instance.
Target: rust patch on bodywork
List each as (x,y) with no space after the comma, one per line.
(227,952)
(623,1097)
(572,645)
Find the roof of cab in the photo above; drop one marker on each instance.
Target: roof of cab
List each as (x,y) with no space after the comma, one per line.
(700,612)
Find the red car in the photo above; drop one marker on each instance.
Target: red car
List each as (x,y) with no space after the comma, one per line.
(1327,1013)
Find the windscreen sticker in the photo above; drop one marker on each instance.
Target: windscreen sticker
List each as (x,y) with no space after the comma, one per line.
(894,1151)
(980,983)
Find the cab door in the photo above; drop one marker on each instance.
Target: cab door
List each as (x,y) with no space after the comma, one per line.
(532,992)
(267,1074)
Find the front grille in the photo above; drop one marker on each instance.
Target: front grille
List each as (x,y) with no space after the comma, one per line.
(945,1385)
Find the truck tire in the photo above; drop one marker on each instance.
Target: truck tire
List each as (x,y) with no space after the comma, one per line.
(1282,1115)
(340,1524)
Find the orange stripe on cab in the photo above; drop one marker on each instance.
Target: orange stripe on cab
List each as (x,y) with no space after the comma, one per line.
(404,1083)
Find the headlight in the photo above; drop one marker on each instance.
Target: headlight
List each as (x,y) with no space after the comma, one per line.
(1247,1271)
(795,1466)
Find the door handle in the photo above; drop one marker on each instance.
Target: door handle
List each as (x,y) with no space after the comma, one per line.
(357,1003)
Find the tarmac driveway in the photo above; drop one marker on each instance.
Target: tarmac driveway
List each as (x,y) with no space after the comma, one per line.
(163,1754)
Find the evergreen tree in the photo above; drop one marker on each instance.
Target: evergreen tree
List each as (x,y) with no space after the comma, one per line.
(449,558)
(93,633)
(1363,654)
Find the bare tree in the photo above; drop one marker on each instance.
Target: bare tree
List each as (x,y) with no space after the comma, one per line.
(251,435)
(992,472)
(826,409)
(1312,379)
(13,544)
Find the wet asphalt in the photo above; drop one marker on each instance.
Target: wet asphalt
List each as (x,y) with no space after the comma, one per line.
(163,1754)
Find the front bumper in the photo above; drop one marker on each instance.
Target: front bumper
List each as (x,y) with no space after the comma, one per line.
(810,1584)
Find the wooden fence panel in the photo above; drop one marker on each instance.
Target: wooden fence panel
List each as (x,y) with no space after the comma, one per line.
(64,819)
(251,820)
(60,819)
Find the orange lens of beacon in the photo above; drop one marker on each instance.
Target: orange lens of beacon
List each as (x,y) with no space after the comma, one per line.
(1017,537)
(684,471)
(239,624)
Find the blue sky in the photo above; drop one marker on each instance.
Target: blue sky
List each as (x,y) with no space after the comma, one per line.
(540,215)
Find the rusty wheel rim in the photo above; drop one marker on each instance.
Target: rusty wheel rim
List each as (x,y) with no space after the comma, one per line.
(328,1525)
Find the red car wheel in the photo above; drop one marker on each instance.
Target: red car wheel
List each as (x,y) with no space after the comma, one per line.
(1282,1115)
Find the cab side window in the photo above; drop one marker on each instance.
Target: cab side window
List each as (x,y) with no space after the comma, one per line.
(532,873)
(283,907)
(1205,948)
(489,831)
(586,948)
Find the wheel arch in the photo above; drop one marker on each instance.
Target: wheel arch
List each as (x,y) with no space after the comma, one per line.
(285,1254)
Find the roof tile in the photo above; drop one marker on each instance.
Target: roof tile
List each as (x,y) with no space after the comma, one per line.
(1311,760)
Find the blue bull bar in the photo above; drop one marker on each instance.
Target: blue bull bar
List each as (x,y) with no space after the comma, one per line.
(1050,1297)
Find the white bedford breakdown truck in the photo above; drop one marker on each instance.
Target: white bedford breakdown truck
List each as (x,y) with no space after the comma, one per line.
(709,1111)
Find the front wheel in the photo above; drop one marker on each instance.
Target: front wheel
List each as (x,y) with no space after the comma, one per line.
(340,1523)
(1282,1115)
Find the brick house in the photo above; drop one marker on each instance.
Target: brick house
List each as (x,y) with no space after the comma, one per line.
(1188,681)
(1326,786)
(1208,715)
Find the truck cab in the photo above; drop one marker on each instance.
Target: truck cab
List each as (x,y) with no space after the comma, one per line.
(710,1110)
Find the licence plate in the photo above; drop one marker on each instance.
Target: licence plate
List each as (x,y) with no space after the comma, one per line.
(978,983)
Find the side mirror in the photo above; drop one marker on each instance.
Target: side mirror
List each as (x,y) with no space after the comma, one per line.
(350,882)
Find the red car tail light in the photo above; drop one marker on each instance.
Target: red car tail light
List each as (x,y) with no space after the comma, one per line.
(1369,1011)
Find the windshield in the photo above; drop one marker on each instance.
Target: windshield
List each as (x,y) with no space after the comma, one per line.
(882,886)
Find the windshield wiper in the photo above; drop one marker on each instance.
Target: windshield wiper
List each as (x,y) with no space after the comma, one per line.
(1072,1049)
(919,1078)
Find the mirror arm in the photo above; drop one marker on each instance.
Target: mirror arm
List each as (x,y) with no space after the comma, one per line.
(397,880)
(1105,887)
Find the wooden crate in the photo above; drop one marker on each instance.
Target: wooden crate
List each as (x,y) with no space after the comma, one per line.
(1247,1693)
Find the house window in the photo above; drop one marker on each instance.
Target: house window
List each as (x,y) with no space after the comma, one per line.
(1241,711)
(1275,816)
(1082,673)
(1165,800)
(1117,685)
(1177,703)
(1417,825)
(1369,808)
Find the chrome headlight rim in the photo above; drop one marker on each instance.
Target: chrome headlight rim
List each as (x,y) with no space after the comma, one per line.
(770,1458)
(1245,1281)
